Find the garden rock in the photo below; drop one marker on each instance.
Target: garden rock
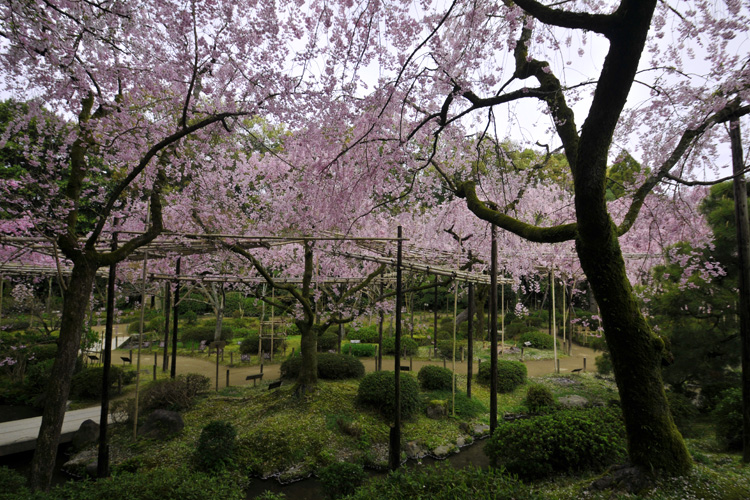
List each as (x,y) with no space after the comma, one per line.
(437,409)
(161,424)
(573,401)
(480,430)
(86,435)
(78,465)
(415,450)
(442,451)
(623,478)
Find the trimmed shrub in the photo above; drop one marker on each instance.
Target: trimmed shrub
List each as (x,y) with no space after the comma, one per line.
(87,384)
(190,317)
(539,399)
(538,340)
(204,331)
(216,446)
(174,394)
(564,441)
(250,344)
(465,407)
(341,478)
(445,349)
(683,412)
(728,419)
(604,364)
(43,352)
(516,328)
(435,378)
(329,341)
(510,374)
(331,366)
(376,391)
(362,350)
(409,346)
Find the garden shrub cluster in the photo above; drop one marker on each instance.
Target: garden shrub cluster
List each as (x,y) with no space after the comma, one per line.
(539,399)
(366,334)
(362,350)
(341,478)
(216,446)
(171,394)
(409,346)
(564,441)
(249,344)
(445,482)
(683,412)
(604,364)
(510,374)
(87,383)
(465,407)
(331,366)
(376,391)
(537,340)
(204,331)
(329,341)
(445,349)
(728,419)
(435,378)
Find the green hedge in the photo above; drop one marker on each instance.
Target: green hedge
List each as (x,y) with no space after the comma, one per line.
(377,391)
(362,350)
(329,341)
(564,441)
(538,340)
(409,346)
(87,384)
(366,334)
(204,331)
(331,366)
(435,378)
(510,374)
(249,344)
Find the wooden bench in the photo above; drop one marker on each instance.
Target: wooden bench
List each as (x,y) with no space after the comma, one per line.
(257,376)
(405,368)
(92,357)
(576,370)
(274,385)
(126,360)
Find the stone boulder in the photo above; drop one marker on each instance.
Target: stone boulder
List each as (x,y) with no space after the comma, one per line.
(573,401)
(437,409)
(86,435)
(161,425)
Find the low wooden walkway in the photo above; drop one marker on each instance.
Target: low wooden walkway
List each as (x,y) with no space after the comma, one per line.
(20,435)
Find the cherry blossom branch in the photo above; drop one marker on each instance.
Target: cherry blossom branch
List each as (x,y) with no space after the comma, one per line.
(599,23)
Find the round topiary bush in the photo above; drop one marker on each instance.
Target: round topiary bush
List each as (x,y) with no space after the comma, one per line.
(329,341)
(409,346)
(604,364)
(537,340)
(365,334)
(341,478)
(728,419)
(445,349)
(510,374)
(435,378)
(377,391)
(362,350)
(539,399)
(564,441)
(331,366)
(216,446)
(204,331)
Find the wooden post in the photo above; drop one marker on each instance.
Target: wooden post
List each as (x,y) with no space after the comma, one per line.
(167,307)
(470,337)
(379,360)
(493,332)
(102,467)
(435,318)
(743,253)
(227,378)
(176,316)
(395,434)
(554,320)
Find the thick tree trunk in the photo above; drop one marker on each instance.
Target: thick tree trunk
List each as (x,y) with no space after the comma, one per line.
(308,373)
(654,442)
(75,306)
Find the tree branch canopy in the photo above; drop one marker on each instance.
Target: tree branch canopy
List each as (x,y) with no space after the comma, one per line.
(552,234)
(599,23)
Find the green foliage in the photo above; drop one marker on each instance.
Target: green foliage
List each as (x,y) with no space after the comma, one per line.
(362,350)
(622,175)
(194,302)
(683,412)
(435,378)
(377,391)
(12,484)
(205,331)
(445,349)
(190,317)
(250,344)
(510,374)
(329,341)
(87,384)
(445,482)
(537,339)
(516,328)
(163,484)
(728,419)
(539,399)
(174,394)
(216,446)
(465,407)
(341,478)
(409,346)
(564,441)
(331,366)
(604,364)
